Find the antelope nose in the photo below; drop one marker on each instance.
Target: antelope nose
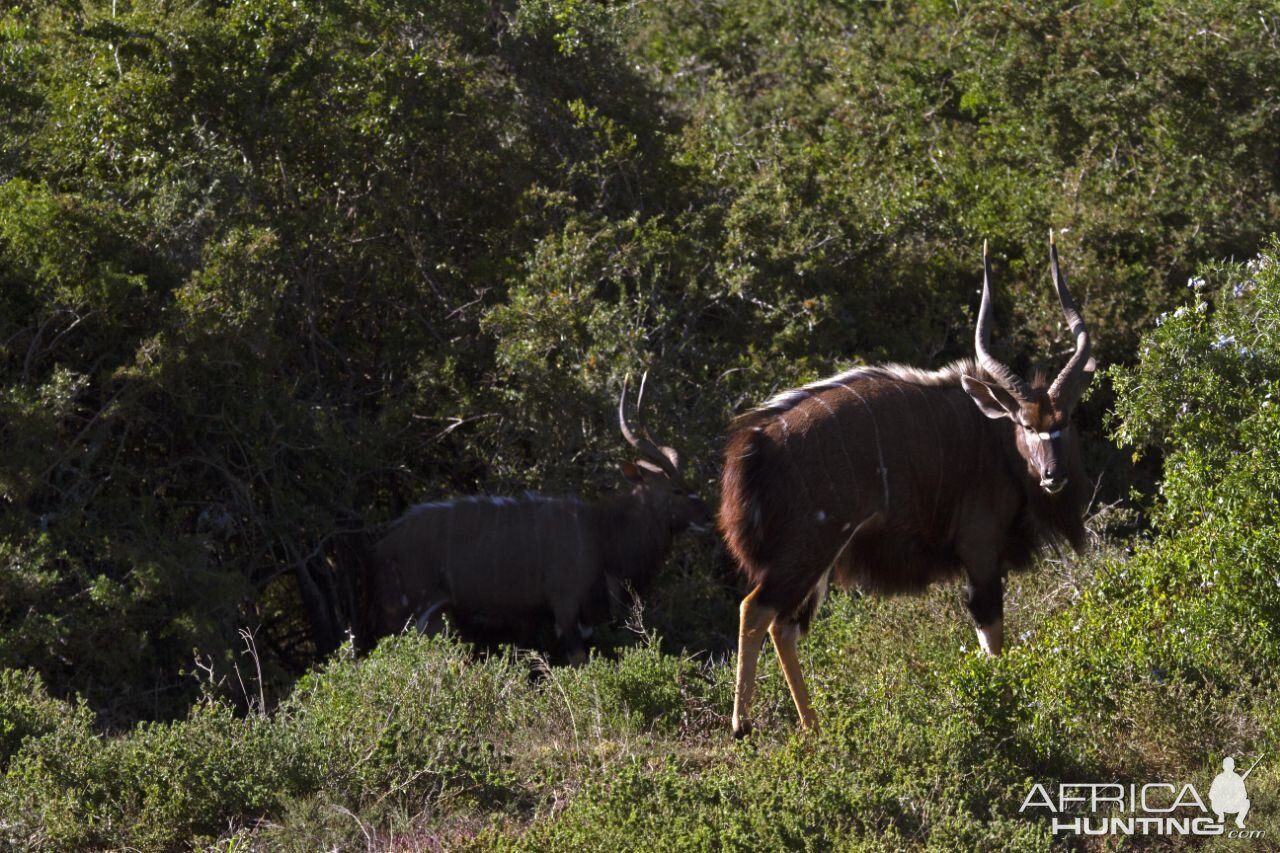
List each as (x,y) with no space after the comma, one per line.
(702,515)
(1053,485)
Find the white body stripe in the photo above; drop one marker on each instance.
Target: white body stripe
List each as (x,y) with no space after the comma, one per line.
(875,427)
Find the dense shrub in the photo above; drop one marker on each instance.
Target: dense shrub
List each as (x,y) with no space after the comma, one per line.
(272,271)
(412,720)
(244,253)
(27,711)
(70,787)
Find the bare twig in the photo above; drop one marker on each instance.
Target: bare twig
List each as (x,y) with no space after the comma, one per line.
(251,649)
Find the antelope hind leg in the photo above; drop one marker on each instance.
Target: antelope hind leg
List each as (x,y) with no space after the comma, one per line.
(784,636)
(754,621)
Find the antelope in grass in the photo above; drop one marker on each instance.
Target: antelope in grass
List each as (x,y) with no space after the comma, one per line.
(890,478)
(510,564)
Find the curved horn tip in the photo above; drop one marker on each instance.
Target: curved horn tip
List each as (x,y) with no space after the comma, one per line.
(644,381)
(1052,242)
(984,248)
(622,411)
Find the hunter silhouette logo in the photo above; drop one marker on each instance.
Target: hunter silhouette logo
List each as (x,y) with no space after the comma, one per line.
(1227,794)
(1156,808)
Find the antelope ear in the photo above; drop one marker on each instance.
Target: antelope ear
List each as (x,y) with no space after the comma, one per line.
(992,400)
(631,472)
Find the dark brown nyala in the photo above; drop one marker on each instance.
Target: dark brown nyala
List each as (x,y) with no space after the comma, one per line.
(890,478)
(501,566)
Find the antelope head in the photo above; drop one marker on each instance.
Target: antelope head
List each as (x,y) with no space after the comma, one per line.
(1041,416)
(658,472)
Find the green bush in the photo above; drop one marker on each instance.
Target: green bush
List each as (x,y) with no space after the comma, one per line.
(1204,395)
(27,711)
(244,256)
(163,785)
(414,719)
(642,691)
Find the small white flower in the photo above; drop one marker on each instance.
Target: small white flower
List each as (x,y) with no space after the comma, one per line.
(1195,282)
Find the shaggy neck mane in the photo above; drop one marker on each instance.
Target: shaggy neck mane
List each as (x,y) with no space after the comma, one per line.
(634,538)
(945,377)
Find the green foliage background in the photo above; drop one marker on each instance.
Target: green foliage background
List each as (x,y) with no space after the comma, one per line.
(271,271)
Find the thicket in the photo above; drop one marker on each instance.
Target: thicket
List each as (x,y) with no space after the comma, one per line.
(272,271)
(1144,662)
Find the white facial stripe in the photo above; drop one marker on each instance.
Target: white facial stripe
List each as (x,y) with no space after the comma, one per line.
(1043,436)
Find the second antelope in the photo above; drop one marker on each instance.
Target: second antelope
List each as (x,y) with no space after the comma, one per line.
(503,564)
(890,478)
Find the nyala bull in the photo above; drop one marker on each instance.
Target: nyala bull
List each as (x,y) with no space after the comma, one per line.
(506,566)
(891,478)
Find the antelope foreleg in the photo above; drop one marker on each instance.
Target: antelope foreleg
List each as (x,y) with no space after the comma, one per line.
(754,621)
(991,637)
(784,636)
(569,640)
(985,601)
